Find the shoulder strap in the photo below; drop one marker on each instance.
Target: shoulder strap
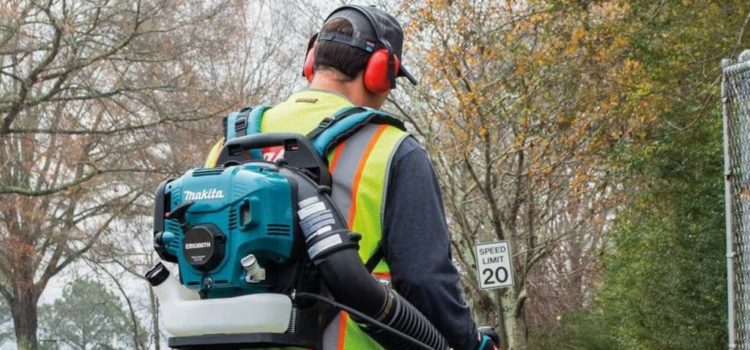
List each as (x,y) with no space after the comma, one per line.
(345,123)
(235,123)
(246,121)
(336,117)
(255,118)
(243,122)
(376,257)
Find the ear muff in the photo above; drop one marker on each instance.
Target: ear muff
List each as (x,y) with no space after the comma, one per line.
(308,68)
(309,64)
(378,77)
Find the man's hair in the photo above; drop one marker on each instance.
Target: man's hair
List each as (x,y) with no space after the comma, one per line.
(346,59)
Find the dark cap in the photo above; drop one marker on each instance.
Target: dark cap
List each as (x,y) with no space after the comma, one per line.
(372,24)
(157,275)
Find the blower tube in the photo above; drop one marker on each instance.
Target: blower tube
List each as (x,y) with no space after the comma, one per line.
(333,249)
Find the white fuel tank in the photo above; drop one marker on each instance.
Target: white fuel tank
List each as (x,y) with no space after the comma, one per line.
(185,314)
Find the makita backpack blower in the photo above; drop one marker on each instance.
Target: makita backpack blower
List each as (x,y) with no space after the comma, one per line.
(260,246)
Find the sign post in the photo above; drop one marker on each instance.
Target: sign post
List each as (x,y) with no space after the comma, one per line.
(493,265)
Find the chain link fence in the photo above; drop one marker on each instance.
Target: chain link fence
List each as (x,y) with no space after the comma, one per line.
(735,91)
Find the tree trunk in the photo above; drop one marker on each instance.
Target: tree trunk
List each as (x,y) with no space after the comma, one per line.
(23,304)
(515,319)
(155,318)
(500,328)
(521,335)
(24,311)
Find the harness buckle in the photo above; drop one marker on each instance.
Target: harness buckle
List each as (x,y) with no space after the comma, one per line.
(240,124)
(326,123)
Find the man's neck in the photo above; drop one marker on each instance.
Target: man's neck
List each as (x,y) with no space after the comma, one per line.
(332,81)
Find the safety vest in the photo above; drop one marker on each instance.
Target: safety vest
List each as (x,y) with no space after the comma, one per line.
(359,167)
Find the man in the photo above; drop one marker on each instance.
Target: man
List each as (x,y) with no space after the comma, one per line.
(383,180)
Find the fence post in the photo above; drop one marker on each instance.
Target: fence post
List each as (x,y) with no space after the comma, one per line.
(731,319)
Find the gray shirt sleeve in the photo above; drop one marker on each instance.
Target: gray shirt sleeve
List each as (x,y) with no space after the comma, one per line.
(417,247)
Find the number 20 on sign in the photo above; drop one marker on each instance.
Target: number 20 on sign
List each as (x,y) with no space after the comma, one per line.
(493,265)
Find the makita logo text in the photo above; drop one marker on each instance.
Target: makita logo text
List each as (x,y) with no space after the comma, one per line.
(210,193)
(198,245)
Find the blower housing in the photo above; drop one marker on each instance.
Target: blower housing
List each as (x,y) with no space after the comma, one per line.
(231,230)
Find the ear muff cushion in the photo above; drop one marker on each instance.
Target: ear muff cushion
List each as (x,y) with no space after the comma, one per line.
(376,73)
(309,64)
(308,67)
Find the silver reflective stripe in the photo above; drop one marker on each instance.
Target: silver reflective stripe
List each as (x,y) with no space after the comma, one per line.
(343,175)
(331,334)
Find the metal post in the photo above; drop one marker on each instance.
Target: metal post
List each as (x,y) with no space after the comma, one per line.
(731,317)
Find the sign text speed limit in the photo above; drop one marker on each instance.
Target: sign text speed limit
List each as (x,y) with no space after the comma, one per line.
(493,265)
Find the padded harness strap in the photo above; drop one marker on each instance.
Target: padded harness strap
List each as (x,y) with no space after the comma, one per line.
(336,117)
(331,132)
(338,130)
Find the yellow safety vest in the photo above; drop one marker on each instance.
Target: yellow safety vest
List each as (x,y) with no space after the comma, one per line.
(360,168)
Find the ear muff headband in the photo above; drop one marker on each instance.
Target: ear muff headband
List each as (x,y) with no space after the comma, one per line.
(351,40)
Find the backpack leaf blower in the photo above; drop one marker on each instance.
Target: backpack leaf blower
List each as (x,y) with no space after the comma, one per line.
(254,240)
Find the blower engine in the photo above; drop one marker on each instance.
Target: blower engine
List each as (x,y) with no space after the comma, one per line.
(230,229)
(260,246)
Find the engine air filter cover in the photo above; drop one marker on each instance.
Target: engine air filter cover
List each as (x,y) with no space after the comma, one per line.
(203,246)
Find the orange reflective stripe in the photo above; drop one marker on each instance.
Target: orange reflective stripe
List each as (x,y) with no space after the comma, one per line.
(342,330)
(358,174)
(336,157)
(382,274)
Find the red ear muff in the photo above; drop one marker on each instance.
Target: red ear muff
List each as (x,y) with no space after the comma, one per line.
(308,68)
(377,77)
(309,64)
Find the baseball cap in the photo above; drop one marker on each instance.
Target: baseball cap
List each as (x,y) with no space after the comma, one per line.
(372,29)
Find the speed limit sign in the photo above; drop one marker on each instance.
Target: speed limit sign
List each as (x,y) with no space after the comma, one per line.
(493,265)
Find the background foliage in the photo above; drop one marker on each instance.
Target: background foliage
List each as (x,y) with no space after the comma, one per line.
(88,316)
(664,279)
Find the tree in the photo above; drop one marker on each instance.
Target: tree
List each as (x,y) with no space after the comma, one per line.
(250,66)
(6,333)
(87,316)
(522,105)
(84,90)
(664,275)
(665,279)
